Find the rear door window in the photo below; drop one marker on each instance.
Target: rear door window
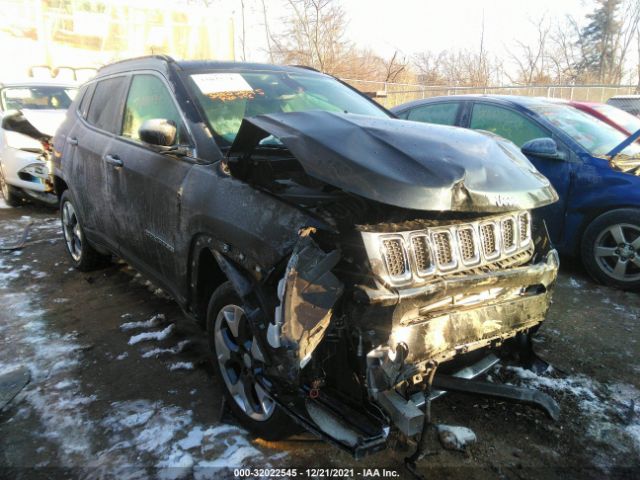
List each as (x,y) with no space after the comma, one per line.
(506,123)
(106,104)
(149,98)
(440,113)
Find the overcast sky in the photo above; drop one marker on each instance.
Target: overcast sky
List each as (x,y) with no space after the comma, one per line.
(416,25)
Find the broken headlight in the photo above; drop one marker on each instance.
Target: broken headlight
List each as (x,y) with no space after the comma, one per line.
(409,257)
(38,170)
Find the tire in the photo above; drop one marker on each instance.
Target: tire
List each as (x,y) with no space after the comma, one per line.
(230,341)
(83,256)
(10,194)
(610,249)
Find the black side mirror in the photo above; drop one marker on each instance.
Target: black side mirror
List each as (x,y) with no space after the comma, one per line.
(542,148)
(159,132)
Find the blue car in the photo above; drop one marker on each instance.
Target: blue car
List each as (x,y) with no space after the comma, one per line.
(598,215)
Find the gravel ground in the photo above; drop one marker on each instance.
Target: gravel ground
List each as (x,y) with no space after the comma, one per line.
(121,386)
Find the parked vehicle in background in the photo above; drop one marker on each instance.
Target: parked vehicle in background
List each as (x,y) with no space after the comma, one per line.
(30,113)
(617,118)
(598,215)
(628,103)
(337,256)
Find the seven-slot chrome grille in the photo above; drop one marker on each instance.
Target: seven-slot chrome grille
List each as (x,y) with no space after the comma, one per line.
(409,257)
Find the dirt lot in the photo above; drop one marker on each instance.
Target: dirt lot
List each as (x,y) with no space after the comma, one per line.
(121,386)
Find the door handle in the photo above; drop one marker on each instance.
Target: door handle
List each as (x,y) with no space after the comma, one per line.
(113,160)
(72,141)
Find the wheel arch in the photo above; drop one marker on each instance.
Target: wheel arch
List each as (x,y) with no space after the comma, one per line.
(59,186)
(579,221)
(209,268)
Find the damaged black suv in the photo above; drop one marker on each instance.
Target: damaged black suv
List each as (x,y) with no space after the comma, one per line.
(349,267)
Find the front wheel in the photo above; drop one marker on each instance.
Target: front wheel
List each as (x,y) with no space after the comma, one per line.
(611,248)
(236,356)
(84,257)
(10,194)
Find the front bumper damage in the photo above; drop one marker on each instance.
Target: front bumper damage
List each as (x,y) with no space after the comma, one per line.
(418,344)
(397,373)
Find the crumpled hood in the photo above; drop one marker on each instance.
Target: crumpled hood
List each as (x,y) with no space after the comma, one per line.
(406,164)
(38,124)
(45,121)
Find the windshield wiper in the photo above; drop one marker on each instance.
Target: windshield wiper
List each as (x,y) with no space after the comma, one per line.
(628,141)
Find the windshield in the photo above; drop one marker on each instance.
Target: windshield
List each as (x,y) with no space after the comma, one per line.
(227,98)
(37,98)
(594,135)
(627,121)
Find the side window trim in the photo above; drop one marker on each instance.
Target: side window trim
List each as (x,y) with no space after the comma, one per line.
(83,107)
(123,103)
(464,114)
(166,84)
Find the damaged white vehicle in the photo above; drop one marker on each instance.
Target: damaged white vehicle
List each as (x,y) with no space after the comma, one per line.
(30,113)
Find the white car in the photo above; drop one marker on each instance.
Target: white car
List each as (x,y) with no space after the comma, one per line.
(30,113)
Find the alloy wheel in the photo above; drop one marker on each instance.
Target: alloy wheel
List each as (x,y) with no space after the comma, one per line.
(237,353)
(617,251)
(72,231)
(4,188)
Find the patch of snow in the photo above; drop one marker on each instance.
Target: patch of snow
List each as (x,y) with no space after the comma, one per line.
(455,437)
(153,322)
(612,412)
(146,336)
(575,283)
(133,435)
(581,387)
(141,428)
(64,384)
(52,358)
(193,439)
(122,356)
(155,352)
(181,366)
(3,204)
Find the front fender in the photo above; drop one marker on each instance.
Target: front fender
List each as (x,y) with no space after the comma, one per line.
(615,190)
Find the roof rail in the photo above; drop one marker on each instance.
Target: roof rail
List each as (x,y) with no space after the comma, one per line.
(306,67)
(165,58)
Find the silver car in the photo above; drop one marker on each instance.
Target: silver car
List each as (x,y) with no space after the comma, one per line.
(30,113)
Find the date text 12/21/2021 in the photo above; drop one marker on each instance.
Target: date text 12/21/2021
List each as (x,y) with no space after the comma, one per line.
(316,472)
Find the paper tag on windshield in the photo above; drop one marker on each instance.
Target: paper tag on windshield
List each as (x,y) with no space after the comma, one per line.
(216,83)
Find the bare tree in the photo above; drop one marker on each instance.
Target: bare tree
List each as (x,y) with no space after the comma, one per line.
(315,35)
(267,31)
(531,61)
(243,37)
(624,37)
(394,67)
(429,66)
(638,65)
